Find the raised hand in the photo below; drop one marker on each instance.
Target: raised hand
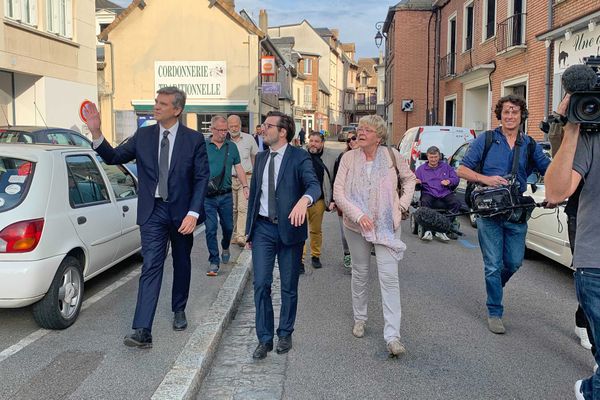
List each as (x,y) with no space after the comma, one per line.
(92,117)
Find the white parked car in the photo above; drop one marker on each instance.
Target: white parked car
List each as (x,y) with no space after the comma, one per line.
(417,140)
(547,234)
(65,216)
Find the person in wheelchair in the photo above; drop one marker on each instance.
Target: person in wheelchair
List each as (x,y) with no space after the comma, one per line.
(438,181)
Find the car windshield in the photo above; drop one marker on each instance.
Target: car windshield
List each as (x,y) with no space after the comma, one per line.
(15,137)
(15,178)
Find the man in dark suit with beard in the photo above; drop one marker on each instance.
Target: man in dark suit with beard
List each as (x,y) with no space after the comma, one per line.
(284,186)
(173,175)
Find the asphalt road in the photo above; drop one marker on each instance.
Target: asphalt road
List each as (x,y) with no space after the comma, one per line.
(450,352)
(88,360)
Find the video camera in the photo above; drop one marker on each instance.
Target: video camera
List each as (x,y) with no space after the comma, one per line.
(584,105)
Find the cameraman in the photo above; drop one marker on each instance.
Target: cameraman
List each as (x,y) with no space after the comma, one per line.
(502,242)
(577,160)
(555,135)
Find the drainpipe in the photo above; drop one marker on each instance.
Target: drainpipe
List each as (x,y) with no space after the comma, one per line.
(259,79)
(436,70)
(548,66)
(113,123)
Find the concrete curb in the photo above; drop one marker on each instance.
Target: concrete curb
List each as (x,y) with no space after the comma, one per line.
(184,379)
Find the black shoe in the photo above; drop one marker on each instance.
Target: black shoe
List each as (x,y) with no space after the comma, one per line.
(141,338)
(179,321)
(301,269)
(316,263)
(284,344)
(261,350)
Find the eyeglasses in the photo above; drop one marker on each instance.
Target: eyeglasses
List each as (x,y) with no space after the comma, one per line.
(267,126)
(363,129)
(351,139)
(219,130)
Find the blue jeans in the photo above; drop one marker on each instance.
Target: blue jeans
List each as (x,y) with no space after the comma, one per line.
(223,206)
(587,286)
(502,245)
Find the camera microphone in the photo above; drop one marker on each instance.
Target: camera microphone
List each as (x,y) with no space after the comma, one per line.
(578,78)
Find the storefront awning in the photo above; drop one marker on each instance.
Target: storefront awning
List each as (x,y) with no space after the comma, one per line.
(190,107)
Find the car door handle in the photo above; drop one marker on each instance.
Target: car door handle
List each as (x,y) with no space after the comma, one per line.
(81,220)
(125,208)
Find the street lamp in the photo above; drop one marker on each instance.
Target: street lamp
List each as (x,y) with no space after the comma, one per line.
(379,36)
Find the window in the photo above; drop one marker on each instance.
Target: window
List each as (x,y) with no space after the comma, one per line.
(21,10)
(489,19)
(86,186)
(298,96)
(16,176)
(360,98)
(308,66)
(120,179)
(59,138)
(308,96)
(450,112)
(468,27)
(60,17)
(373,98)
(79,141)
(364,80)
(451,57)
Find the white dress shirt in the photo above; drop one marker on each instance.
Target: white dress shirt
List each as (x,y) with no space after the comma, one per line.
(264,188)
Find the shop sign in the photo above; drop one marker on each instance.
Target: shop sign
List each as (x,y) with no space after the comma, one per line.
(571,52)
(198,79)
(271,88)
(267,66)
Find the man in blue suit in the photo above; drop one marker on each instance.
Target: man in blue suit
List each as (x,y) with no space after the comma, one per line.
(173,176)
(285,185)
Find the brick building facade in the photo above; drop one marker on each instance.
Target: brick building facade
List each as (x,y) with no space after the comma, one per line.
(456,58)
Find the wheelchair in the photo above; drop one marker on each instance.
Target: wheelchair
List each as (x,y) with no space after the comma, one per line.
(418,229)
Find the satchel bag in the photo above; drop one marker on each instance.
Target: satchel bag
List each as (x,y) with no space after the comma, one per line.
(399,185)
(215,183)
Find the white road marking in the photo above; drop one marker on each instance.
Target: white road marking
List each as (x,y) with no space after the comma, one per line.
(40,333)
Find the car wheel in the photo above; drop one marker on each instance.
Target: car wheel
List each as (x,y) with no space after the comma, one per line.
(60,307)
(473,219)
(413,224)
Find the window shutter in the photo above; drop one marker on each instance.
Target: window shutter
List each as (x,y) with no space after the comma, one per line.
(53,20)
(16,9)
(68,18)
(33,12)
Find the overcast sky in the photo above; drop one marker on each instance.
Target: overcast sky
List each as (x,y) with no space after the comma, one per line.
(355,19)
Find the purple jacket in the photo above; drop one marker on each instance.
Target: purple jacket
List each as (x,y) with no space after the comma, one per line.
(431,179)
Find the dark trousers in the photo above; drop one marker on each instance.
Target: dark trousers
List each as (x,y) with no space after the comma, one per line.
(266,244)
(156,234)
(450,202)
(580,318)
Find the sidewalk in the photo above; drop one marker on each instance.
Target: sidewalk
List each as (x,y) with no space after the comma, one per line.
(195,359)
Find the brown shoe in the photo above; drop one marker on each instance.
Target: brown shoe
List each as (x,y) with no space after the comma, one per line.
(359,329)
(396,348)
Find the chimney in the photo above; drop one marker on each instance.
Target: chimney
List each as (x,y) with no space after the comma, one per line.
(229,4)
(263,20)
(336,33)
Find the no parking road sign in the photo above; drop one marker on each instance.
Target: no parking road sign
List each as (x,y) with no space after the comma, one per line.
(408,105)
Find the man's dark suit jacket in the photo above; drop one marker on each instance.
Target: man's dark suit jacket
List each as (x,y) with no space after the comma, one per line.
(296,178)
(188,170)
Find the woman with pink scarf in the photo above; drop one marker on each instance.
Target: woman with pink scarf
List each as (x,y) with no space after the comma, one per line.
(365,191)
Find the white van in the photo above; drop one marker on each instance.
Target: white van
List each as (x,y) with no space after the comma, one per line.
(417,140)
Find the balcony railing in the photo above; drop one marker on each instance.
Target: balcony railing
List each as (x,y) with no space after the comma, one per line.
(448,65)
(366,107)
(511,32)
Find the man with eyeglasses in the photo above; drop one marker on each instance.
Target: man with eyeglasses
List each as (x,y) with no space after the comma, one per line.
(223,156)
(283,188)
(322,162)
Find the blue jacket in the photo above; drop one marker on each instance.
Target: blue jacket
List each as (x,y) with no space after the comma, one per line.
(295,179)
(188,170)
